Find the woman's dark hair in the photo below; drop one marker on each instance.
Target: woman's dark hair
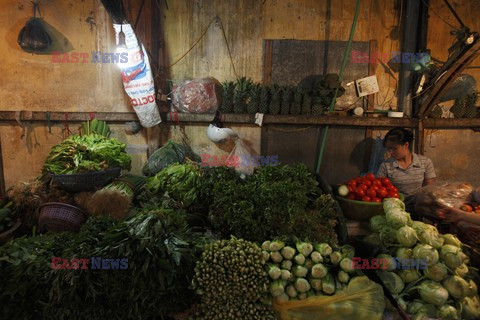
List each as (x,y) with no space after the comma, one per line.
(399,136)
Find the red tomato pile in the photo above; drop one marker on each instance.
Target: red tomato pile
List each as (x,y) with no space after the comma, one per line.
(371,189)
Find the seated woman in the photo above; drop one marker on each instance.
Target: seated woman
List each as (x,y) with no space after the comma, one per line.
(406,170)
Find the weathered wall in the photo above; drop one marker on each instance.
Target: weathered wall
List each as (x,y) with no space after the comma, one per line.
(33,82)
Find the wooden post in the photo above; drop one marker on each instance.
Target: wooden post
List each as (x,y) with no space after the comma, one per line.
(420,137)
(267,63)
(3,191)
(372,70)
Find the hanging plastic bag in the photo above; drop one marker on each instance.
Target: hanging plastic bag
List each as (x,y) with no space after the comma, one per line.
(137,78)
(197,96)
(33,37)
(362,300)
(239,158)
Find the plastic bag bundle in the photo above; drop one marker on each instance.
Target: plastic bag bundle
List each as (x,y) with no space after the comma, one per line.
(33,37)
(363,299)
(197,96)
(239,158)
(442,194)
(169,154)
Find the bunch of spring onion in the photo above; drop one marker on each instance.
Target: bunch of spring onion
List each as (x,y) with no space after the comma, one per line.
(306,269)
(231,282)
(439,287)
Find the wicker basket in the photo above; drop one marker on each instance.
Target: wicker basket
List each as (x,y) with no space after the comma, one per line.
(57,217)
(79,182)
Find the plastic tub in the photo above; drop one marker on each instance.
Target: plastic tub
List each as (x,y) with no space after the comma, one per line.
(360,210)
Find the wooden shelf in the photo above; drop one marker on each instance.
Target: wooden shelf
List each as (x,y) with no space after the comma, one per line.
(341,121)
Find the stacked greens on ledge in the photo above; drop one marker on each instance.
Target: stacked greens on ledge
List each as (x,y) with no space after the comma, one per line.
(92,152)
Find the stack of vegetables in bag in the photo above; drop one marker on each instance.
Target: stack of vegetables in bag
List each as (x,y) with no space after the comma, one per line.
(306,269)
(429,272)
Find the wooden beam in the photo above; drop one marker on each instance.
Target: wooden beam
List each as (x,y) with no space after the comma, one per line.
(267,63)
(420,138)
(72,116)
(3,191)
(372,70)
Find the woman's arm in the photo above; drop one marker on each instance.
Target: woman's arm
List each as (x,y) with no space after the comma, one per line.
(455,215)
(428,182)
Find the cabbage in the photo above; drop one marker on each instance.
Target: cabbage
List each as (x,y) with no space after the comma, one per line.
(392,281)
(436,272)
(347,251)
(429,310)
(425,252)
(373,238)
(471,308)
(457,287)
(472,288)
(404,253)
(462,271)
(447,312)
(397,218)
(453,240)
(377,223)
(392,203)
(409,275)
(428,234)
(406,236)
(414,306)
(432,292)
(390,265)
(451,256)
(388,235)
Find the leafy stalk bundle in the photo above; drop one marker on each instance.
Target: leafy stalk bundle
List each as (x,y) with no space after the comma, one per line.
(87,153)
(275,202)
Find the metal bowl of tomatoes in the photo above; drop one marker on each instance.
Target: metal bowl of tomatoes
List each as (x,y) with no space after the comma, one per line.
(361,198)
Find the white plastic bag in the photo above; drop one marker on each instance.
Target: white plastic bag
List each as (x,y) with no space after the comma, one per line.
(137,78)
(238,158)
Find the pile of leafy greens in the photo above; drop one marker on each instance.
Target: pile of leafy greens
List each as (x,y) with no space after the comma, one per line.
(275,202)
(93,152)
(161,253)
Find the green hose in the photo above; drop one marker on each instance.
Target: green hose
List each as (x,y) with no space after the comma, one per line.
(332,103)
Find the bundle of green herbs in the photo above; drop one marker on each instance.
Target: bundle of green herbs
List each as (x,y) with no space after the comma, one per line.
(160,250)
(275,202)
(93,152)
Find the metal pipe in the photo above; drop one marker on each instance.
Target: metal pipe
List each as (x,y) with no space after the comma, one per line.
(409,45)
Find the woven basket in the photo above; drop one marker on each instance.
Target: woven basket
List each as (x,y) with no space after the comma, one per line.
(79,182)
(57,217)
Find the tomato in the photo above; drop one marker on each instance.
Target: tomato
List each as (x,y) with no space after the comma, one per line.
(366,199)
(376,199)
(350,188)
(392,188)
(374,187)
(382,192)
(385,181)
(368,183)
(377,182)
(362,186)
(360,192)
(371,193)
(352,183)
(370,176)
(351,196)
(393,194)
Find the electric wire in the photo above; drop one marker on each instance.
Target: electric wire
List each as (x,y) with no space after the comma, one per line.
(445,21)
